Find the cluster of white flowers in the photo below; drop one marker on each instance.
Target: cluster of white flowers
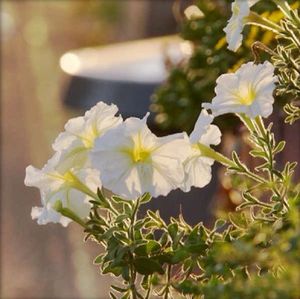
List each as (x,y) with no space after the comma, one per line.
(125,157)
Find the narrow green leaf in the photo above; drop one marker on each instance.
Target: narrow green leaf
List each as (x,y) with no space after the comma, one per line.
(280,146)
(98,259)
(112,295)
(145,198)
(147,266)
(118,289)
(173,230)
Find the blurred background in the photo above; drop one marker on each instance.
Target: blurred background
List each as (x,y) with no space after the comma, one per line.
(49,261)
(47,79)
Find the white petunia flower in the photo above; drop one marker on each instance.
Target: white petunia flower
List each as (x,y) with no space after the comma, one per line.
(240,11)
(80,132)
(198,167)
(55,186)
(249,90)
(132,160)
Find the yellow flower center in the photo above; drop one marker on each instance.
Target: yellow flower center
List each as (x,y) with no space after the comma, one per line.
(67,177)
(247,98)
(138,153)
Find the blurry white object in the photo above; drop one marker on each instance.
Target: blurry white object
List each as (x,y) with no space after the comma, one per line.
(125,74)
(136,61)
(193,12)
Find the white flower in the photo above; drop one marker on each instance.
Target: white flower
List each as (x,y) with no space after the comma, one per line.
(198,167)
(55,186)
(80,133)
(249,90)
(132,160)
(240,10)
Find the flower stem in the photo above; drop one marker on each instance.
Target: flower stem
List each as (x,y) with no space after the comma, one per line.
(260,126)
(77,184)
(132,238)
(256,19)
(210,153)
(247,121)
(68,213)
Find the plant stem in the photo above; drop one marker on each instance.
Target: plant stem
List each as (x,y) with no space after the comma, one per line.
(167,291)
(284,7)
(210,153)
(69,214)
(256,19)
(132,238)
(247,121)
(77,184)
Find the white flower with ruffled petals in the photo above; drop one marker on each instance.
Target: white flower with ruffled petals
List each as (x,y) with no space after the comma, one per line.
(55,186)
(133,161)
(249,90)
(240,11)
(198,167)
(80,132)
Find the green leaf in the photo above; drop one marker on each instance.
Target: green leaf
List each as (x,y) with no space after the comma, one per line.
(118,289)
(151,224)
(188,287)
(155,217)
(258,154)
(278,207)
(122,237)
(238,220)
(138,235)
(237,161)
(280,146)
(147,266)
(112,295)
(198,248)
(173,230)
(121,200)
(179,255)
(146,249)
(145,282)
(126,296)
(165,257)
(125,273)
(163,239)
(117,271)
(100,195)
(98,259)
(193,236)
(145,198)
(121,218)
(219,224)
(140,223)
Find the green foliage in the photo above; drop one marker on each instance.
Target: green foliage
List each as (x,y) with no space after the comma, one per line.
(286,57)
(252,253)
